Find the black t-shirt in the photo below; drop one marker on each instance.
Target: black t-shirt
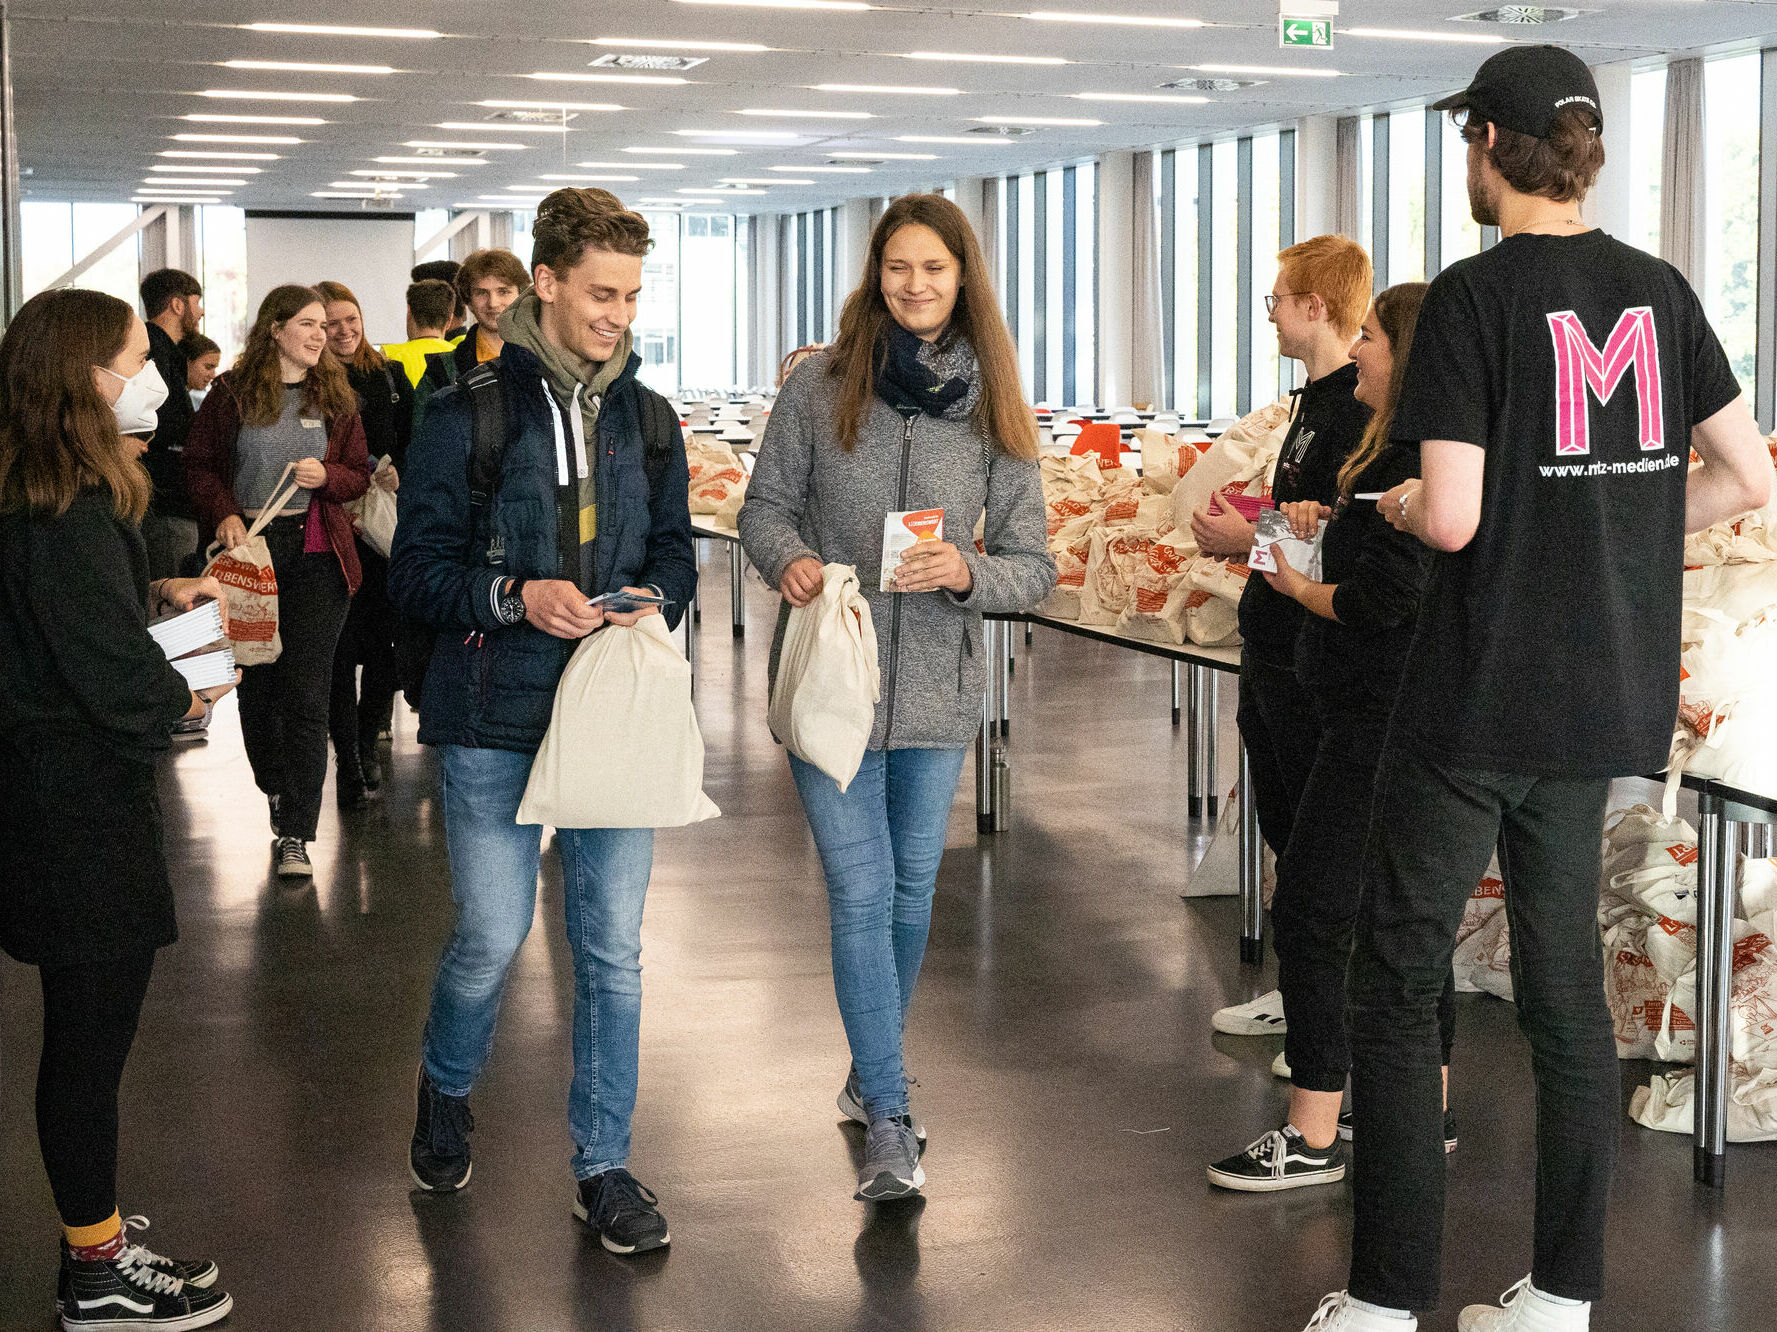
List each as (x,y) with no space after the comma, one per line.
(1549,645)
(172,424)
(1328,425)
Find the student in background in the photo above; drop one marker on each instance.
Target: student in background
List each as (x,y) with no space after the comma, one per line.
(173,306)
(443,270)
(87,704)
(203,358)
(287,400)
(359,715)
(489,281)
(917,405)
(429,306)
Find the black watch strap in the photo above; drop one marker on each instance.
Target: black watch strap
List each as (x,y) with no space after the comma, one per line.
(510,606)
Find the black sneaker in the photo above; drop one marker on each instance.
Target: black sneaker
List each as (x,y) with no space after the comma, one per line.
(135,1289)
(272,802)
(347,793)
(1282,1159)
(373,774)
(1450,1137)
(625,1214)
(292,855)
(438,1157)
(199,1272)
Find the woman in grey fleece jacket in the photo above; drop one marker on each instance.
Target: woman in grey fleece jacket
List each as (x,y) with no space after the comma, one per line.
(917,406)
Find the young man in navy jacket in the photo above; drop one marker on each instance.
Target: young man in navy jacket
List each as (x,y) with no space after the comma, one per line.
(588,496)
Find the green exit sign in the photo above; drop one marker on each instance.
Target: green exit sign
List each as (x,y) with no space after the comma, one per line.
(1310,32)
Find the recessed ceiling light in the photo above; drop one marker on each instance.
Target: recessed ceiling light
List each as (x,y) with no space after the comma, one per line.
(971,58)
(512,128)
(231,157)
(892,157)
(666,203)
(182,194)
(597,180)
(1412,35)
(533,198)
(764,180)
(223,170)
(1138,97)
(689,152)
(1124,20)
(976,141)
(550,106)
(897,88)
(637,166)
(405,175)
(158,181)
(849,5)
(828,170)
(218,118)
(243,95)
(549,77)
(163,198)
(737,134)
(1278,70)
(1034,120)
(307,67)
(717,194)
(355,194)
(379,186)
(234,138)
(808,115)
(340,30)
(459,143)
(673,44)
(441,160)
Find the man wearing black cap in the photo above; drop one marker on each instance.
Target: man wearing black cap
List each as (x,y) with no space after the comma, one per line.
(1556,386)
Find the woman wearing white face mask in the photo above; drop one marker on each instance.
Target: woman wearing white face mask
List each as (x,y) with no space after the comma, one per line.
(287,402)
(87,703)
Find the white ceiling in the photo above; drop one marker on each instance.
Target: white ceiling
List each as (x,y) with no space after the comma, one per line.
(100,85)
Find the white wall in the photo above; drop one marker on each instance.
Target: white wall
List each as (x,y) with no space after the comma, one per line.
(371,255)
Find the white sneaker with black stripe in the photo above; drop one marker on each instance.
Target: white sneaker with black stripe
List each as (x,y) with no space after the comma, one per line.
(1262,1017)
(1338,1312)
(1282,1159)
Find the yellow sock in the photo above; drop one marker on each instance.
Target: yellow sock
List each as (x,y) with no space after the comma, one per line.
(87,1237)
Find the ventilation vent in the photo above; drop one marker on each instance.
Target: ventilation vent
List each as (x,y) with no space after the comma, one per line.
(1001,131)
(864,161)
(444,155)
(1522,15)
(533,117)
(1212,85)
(614,60)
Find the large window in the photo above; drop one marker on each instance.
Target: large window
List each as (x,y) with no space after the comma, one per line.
(1461,234)
(1731,209)
(1647,136)
(1048,271)
(656,327)
(1406,197)
(55,235)
(222,257)
(708,292)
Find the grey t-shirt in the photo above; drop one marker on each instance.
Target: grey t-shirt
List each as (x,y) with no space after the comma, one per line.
(262,452)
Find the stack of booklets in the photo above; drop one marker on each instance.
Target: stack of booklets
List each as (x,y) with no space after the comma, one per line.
(194,642)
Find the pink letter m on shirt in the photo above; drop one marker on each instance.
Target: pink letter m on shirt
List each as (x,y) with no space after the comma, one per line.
(1581,368)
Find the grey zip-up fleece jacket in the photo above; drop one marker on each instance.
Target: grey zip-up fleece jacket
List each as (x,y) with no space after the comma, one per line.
(808,497)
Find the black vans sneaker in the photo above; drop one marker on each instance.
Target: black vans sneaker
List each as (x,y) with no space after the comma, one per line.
(292,856)
(199,1272)
(438,1157)
(134,1290)
(1282,1159)
(625,1214)
(1450,1136)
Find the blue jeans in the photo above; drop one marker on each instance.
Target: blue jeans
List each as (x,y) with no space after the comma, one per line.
(880,844)
(493,873)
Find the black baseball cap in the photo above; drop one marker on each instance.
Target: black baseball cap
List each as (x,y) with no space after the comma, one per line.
(1524,88)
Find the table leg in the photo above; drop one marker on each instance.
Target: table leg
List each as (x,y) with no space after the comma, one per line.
(1212,777)
(1175,696)
(992,771)
(737,602)
(1004,639)
(1252,865)
(1715,980)
(690,628)
(702,553)
(1193,741)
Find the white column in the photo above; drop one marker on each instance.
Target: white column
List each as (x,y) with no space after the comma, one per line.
(1317,176)
(1608,204)
(765,298)
(1116,239)
(968,198)
(851,235)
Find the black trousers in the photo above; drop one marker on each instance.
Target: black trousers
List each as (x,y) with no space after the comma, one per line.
(1319,876)
(1275,716)
(359,710)
(1435,826)
(90,1010)
(284,705)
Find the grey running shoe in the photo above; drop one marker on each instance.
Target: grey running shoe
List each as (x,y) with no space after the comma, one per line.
(891,1166)
(851,1105)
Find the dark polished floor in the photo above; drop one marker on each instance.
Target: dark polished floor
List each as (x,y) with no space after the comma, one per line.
(1061,1040)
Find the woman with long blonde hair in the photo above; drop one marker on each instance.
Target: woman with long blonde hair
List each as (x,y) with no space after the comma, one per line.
(287,404)
(915,407)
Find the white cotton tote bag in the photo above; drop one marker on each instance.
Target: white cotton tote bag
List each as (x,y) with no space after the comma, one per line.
(823,703)
(623,749)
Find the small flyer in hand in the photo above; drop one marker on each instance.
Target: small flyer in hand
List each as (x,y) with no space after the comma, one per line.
(1273,529)
(901,532)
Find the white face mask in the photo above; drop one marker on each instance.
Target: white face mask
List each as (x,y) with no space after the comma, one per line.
(138,405)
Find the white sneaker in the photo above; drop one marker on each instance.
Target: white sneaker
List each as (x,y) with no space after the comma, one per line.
(1262,1017)
(1280,1067)
(1337,1314)
(1524,1308)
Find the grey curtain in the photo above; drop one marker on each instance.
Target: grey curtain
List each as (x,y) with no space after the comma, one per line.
(1681,171)
(1347,215)
(1147,383)
(990,232)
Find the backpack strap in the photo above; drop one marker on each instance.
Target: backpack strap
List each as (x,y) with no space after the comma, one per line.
(660,436)
(487,444)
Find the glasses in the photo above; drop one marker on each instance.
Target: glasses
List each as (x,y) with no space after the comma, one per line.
(1271,301)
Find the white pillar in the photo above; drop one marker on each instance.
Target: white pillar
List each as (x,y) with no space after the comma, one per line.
(1317,176)
(766,296)
(1116,239)
(1607,206)
(851,237)
(969,199)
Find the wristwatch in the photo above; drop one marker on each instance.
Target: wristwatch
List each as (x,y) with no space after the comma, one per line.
(510,605)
